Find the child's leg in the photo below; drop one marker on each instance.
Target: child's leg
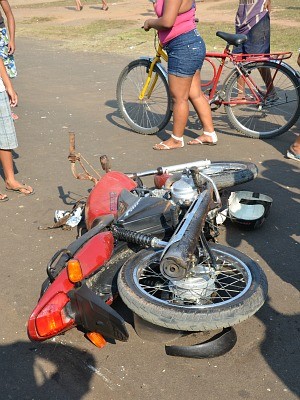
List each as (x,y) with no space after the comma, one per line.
(8,168)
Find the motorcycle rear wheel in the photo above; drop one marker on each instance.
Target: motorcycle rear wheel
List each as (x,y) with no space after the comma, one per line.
(240,290)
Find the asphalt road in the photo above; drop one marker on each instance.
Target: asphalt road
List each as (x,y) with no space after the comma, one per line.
(61,92)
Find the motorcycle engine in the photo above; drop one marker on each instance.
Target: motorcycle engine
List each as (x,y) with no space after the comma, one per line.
(183,191)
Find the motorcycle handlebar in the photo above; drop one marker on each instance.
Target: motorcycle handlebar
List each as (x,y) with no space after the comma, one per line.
(171,168)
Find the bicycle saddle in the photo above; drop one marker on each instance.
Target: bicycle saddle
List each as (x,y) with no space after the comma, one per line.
(232,38)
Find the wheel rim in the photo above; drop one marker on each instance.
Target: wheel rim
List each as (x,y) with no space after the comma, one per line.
(275,113)
(209,289)
(220,169)
(150,112)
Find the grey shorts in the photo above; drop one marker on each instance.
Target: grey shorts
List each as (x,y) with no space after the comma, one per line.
(8,137)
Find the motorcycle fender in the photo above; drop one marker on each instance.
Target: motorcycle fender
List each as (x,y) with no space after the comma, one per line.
(158,65)
(94,315)
(91,256)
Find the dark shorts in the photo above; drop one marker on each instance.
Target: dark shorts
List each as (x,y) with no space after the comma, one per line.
(258,39)
(186,54)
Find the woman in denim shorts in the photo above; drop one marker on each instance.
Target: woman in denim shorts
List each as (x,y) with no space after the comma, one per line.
(186,52)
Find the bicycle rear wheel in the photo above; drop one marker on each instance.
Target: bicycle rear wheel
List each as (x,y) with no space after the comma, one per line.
(153,112)
(276,113)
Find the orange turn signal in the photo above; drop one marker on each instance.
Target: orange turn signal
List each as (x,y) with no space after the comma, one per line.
(74,270)
(97,339)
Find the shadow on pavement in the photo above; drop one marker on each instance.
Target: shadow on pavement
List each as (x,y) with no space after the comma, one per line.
(46,371)
(273,243)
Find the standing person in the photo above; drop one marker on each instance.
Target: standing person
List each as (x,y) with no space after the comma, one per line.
(8,139)
(177,33)
(104,5)
(7,43)
(79,5)
(253,19)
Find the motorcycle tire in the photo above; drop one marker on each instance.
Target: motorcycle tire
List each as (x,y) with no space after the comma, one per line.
(151,296)
(231,173)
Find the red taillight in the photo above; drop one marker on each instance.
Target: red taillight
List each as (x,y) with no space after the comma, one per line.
(53,319)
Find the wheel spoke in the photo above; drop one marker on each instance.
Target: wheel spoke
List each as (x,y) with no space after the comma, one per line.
(215,287)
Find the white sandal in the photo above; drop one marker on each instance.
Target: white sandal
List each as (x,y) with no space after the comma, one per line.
(166,147)
(213,135)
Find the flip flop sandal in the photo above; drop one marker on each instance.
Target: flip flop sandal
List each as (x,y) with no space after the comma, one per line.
(292,155)
(20,189)
(166,147)
(3,198)
(200,142)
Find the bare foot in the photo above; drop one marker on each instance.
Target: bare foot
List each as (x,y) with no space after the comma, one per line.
(19,188)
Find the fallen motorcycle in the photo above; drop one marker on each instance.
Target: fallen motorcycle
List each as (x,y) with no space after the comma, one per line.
(154,247)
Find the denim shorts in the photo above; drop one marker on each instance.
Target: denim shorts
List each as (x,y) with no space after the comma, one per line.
(186,54)
(258,39)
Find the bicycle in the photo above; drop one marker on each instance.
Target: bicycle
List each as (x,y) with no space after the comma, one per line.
(266,110)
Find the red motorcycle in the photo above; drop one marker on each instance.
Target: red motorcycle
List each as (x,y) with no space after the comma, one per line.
(154,247)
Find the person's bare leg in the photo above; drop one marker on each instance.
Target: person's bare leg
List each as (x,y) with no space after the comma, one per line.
(8,168)
(296,145)
(267,78)
(241,88)
(179,89)
(79,6)
(104,5)
(202,109)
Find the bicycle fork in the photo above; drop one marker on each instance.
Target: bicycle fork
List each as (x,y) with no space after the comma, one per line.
(147,89)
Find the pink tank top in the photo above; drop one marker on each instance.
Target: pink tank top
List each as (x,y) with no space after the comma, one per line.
(184,23)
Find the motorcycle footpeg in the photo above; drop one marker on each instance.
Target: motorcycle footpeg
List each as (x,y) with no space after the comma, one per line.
(216,346)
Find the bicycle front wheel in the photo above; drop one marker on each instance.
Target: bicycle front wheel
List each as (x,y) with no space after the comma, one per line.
(276,113)
(153,112)
(230,173)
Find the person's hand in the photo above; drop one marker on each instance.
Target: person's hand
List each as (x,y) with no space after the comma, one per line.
(13,97)
(267,5)
(146,26)
(11,47)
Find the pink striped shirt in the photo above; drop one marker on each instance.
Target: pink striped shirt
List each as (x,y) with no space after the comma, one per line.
(184,23)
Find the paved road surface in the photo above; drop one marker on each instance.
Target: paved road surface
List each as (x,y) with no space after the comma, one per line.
(59,92)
